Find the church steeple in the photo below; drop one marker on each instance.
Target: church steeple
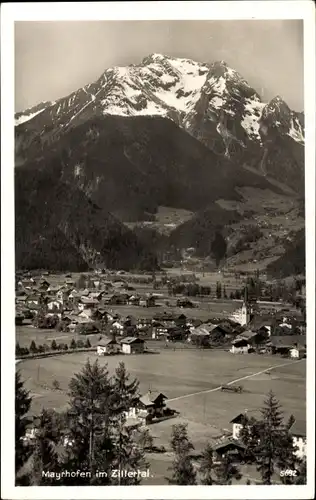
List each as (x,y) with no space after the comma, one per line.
(245,310)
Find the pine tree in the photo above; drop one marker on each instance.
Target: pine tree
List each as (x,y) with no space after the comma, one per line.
(125,391)
(145,439)
(33,348)
(54,345)
(183,472)
(250,434)
(226,471)
(87,344)
(73,344)
(45,456)
(22,407)
(267,449)
(128,454)
(218,290)
(269,440)
(17,349)
(207,465)
(89,418)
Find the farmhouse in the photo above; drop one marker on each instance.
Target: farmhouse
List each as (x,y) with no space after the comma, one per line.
(285,343)
(107,346)
(86,303)
(238,421)
(297,430)
(232,447)
(132,345)
(240,346)
(149,406)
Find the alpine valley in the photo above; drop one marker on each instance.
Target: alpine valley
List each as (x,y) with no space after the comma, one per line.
(167,160)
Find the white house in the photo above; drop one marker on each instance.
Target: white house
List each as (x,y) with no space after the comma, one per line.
(132,345)
(54,305)
(118,326)
(107,346)
(298,431)
(298,352)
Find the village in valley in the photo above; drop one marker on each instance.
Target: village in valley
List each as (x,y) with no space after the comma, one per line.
(160,211)
(205,347)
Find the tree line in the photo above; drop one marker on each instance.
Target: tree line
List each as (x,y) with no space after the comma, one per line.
(92,435)
(42,348)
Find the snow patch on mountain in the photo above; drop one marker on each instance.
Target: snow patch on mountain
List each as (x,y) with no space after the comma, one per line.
(26,118)
(296,131)
(250,120)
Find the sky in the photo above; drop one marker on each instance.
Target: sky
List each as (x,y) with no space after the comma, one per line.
(55,58)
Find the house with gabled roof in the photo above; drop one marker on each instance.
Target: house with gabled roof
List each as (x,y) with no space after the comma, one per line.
(284,343)
(107,346)
(148,406)
(132,345)
(87,303)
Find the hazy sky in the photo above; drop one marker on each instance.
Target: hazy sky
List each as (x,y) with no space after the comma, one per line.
(54,58)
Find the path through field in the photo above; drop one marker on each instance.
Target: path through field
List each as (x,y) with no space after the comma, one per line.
(234,381)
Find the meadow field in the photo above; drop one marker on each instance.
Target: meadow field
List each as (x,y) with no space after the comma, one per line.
(190,379)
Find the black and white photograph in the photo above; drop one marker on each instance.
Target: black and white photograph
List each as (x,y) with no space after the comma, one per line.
(163,295)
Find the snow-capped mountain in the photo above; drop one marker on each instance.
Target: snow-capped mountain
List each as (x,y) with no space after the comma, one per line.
(180,89)
(212,102)
(166,132)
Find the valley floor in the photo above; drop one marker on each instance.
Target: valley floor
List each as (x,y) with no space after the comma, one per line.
(190,379)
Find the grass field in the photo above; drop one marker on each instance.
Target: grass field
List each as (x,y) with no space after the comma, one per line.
(190,379)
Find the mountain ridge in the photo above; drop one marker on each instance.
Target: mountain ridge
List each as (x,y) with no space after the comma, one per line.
(166,132)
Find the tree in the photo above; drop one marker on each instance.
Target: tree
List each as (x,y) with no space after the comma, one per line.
(53,345)
(125,391)
(269,440)
(226,471)
(18,349)
(22,407)
(207,465)
(87,344)
(73,344)
(45,456)
(56,384)
(145,439)
(183,472)
(33,348)
(218,290)
(89,417)
(128,454)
